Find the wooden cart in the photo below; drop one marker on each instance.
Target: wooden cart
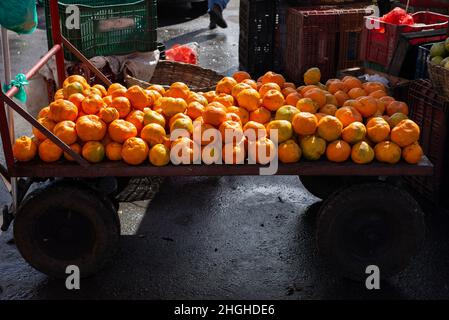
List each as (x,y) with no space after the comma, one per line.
(365,218)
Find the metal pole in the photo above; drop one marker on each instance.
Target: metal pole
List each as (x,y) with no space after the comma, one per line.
(57,39)
(7,67)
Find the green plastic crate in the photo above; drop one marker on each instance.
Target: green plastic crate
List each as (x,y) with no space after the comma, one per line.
(108,27)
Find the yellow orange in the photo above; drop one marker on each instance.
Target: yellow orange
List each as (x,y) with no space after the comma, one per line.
(153,134)
(249,99)
(61,110)
(405,133)
(47,123)
(134,151)
(122,105)
(338,151)
(362,153)
(24,149)
(412,153)
(305,123)
(90,128)
(65,130)
(387,151)
(289,152)
(93,151)
(49,152)
(159,155)
(178,90)
(114,151)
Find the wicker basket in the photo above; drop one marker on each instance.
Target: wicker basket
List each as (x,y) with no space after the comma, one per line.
(138,189)
(440,78)
(167,72)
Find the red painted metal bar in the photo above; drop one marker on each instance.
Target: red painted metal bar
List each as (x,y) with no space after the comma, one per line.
(28,117)
(89,64)
(6,137)
(303,168)
(57,40)
(56,48)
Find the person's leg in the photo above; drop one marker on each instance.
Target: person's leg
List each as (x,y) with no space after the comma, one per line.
(222,3)
(210,4)
(216,12)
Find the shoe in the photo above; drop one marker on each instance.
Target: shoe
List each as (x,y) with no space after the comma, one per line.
(212,25)
(216,16)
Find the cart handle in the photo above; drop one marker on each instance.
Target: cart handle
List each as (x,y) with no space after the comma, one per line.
(12,92)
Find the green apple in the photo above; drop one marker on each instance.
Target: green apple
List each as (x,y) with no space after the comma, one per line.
(438,49)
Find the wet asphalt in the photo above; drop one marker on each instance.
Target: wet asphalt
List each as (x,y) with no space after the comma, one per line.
(218,237)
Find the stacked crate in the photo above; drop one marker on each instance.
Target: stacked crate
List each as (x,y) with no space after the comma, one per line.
(323,37)
(431,112)
(259,23)
(107,27)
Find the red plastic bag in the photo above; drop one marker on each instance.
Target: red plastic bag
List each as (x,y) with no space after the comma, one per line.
(182,53)
(398,16)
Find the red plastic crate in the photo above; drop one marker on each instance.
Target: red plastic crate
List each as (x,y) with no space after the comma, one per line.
(427,3)
(378,45)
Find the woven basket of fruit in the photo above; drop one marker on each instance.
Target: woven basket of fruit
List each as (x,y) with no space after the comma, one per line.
(438,66)
(440,76)
(168,72)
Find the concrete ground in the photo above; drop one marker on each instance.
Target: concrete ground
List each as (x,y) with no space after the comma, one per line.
(217,238)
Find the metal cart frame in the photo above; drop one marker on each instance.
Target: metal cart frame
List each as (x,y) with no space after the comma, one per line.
(324,171)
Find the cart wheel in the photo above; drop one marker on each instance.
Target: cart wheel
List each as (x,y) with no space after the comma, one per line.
(66,224)
(369,224)
(323,187)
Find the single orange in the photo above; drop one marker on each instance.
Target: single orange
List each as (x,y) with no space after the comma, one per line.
(305,123)
(65,130)
(24,149)
(90,128)
(134,151)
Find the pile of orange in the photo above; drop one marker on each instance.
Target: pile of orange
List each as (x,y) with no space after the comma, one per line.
(343,119)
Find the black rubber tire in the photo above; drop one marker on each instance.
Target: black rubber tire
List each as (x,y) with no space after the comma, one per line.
(323,186)
(369,224)
(66,223)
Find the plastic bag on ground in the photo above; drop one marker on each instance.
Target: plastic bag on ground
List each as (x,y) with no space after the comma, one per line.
(187,53)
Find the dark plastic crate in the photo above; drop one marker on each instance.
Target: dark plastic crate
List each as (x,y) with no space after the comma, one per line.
(421,62)
(351,22)
(258,27)
(108,27)
(430,111)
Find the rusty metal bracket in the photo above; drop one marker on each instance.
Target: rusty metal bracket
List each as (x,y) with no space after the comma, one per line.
(82,58)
